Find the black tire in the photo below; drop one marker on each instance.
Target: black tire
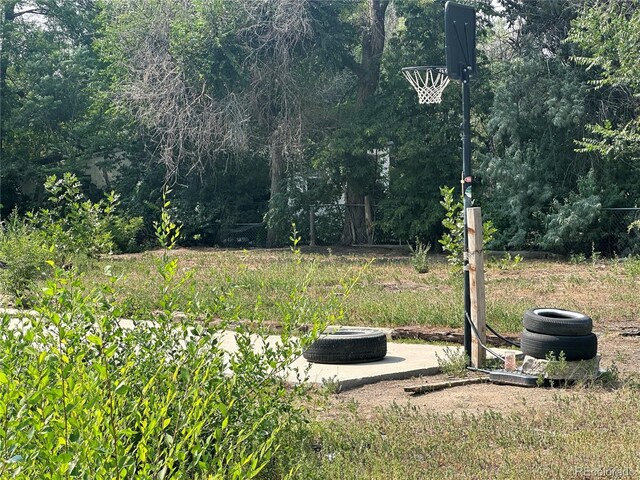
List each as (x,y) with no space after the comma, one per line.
(579,347)
(348,345)
(555,321)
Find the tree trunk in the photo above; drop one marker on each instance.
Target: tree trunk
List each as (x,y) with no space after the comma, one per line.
(356,230)
(276,159)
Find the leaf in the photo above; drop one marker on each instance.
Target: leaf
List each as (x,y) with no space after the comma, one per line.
(94,339)
(122,389)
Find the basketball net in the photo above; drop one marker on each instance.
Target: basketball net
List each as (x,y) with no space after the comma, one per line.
(428,82)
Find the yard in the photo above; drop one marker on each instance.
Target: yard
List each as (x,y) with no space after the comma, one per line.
(374,432)
(478,431)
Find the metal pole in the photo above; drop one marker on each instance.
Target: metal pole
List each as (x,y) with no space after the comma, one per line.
(466,195)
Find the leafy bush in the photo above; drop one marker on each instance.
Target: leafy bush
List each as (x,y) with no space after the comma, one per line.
(632,266)
(24,254)
(572,226)
(72,228)
(78,226)
(506,262)
(125,232)
(82,395)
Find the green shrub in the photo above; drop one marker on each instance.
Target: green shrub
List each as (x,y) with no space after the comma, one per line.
(420,256)
(506,262)
(74,224)
(73,229)
(83,396)
(632,266)
(24,254)
(125,232)
(454,362)
(573,225)
(78,226)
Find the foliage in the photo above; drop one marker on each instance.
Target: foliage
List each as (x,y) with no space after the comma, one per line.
(453,222)
(73,228)
(507,261)
(23,254)
(84,395)
(263,97)
(454,362)
(606,32)
(635,225)
(420,256)
(632,266)
(538,112)
(425,151)
(50,78)
(572,226)
(74,224)
(78,226)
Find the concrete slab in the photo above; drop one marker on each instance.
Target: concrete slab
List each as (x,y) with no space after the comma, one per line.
(403,360)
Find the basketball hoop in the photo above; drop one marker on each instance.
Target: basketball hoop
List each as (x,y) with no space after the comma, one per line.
(429,82)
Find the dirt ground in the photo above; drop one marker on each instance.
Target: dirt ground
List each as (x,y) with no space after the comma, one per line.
(621,351)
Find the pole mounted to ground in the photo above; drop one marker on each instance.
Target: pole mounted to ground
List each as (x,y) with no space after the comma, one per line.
(460,49)
(430,82)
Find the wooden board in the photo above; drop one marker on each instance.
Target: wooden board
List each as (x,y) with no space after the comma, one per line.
(433,387)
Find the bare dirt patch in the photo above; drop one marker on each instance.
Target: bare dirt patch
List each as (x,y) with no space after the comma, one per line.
(621,353)
(470,399)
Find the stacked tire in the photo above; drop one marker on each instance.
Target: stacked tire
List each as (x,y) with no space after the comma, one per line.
(550,331)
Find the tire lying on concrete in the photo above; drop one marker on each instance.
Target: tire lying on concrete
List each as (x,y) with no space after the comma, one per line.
(555,321)
(575,347)
(348,345)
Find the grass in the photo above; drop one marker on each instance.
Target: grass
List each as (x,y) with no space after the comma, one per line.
(389,292)
(579,436)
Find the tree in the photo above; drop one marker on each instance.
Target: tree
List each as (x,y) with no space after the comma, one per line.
(46,68)
(426,148)
(151,48)
(210,80)
(608,34)
(539,109)
(359,167)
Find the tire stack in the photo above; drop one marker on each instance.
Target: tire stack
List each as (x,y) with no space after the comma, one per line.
(549,331)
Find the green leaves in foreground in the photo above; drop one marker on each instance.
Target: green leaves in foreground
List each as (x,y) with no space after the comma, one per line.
(85,395)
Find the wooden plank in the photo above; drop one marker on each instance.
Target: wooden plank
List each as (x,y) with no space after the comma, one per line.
(476,286)
(433,387)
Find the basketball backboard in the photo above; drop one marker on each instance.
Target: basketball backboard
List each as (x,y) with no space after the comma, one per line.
(460,39)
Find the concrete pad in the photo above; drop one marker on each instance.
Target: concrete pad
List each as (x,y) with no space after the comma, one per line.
(403,360)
